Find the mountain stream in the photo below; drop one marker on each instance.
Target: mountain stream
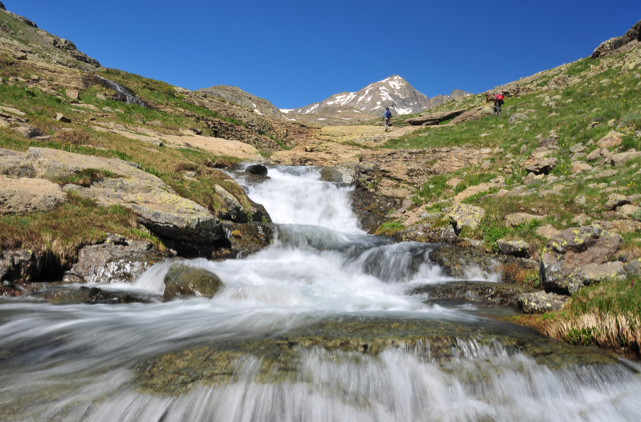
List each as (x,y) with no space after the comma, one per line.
(317,327)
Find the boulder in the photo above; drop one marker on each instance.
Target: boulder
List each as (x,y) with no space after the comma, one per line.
(606,173)
(628,211)
(515,219)
(532,178)
(26,195)
(580,200)
(611,140)
(466,216)
(633,268)
(184,280)
(257,169)
(541,302)
(620,159)
(72,93)
(480,188)
(581,219)
(435,118)
(514,247)
(594,155)
(540,165)
(616,200)
(579,166)
(595,273)
(339,174)
(28,131)
(547,231)
(517,117)
(62,118)
(235,210)
(2,6)
(115,261)
(546,142)
(20,265)
(574,249)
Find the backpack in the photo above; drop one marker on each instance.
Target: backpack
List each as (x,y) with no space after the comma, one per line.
(498,97)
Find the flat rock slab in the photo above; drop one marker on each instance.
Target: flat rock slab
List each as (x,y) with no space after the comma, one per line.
(216,146)
(26,195)
(501,294)
(540,302)
(156,204)
(466,215)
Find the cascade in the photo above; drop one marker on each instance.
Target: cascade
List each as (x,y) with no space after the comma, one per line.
(317,327)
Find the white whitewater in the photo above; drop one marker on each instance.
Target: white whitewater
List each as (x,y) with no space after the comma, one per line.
(78,362)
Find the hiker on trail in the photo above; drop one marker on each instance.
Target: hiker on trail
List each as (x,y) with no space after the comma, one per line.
(386,117)
(498,102)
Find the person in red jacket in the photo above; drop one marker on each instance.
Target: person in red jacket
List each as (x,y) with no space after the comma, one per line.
(498,102)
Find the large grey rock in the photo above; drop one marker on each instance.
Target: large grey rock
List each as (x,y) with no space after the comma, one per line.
(558,82)
(466,216)
(338,174)
(514,247)
(2,6)
(26,195)
(572,250)
(28,131)
(517,117)
(119,262)
(20,265)
(257,169)
(616,200)
(595,273)
(541,302)
(234,211)
(633,268)
(184,280)
(540,165)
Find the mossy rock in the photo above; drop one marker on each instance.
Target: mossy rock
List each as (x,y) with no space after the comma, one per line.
(183,280)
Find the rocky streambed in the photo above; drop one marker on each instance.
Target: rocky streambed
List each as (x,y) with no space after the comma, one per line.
(319,321)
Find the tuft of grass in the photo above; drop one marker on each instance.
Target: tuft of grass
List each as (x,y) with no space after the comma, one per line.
(388,228)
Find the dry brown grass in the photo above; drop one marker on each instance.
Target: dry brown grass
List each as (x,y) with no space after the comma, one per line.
(74,137)
(629,252)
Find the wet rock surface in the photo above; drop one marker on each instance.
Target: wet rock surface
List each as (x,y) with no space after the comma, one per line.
(279,358)
(481,292)
(371,208)
(184,280)
(20,265)
(119,262)
(464,263)
(88,295)
(257,169)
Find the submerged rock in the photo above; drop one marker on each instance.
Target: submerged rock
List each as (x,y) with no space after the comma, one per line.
(87,295)
(183,280)
(120,262)
(257,169)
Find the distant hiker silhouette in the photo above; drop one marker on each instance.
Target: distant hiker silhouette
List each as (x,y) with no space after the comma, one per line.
(498,102)
(386,117)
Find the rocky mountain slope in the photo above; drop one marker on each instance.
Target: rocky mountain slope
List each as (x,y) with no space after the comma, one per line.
(393,92)
(238,96)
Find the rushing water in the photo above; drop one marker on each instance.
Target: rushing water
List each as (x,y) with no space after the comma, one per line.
(122,93)
(325,283)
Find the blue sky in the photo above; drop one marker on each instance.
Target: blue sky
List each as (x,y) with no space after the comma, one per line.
(296,52)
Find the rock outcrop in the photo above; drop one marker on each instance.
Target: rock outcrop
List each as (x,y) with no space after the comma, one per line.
(578,257)
(466,216)
(435,118)
(608,47)
(157,206)
(27,195)
(115,261)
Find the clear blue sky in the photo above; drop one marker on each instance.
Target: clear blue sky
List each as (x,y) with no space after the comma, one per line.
(296,52)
